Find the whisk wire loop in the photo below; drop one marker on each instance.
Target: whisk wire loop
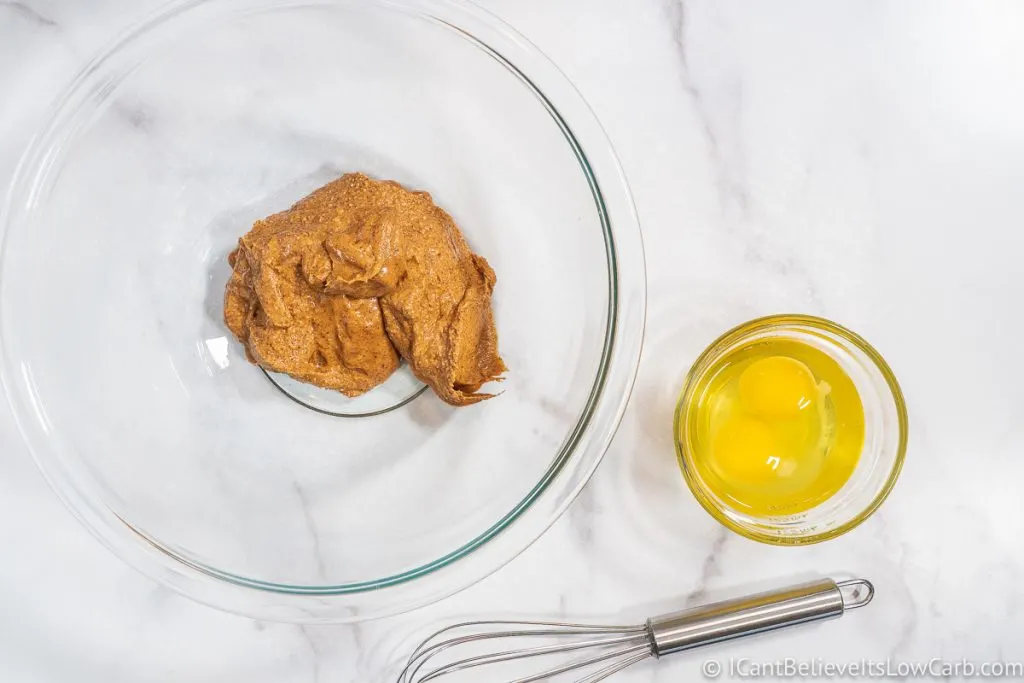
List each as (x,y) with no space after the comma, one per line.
(580,637)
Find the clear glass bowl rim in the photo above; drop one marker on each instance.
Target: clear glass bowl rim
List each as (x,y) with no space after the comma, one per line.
(571,468)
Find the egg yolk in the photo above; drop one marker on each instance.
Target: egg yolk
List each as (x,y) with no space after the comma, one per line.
(746,451)
(758,455)
(777,387)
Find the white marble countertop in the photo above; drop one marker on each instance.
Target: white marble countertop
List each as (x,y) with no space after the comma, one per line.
(859,160)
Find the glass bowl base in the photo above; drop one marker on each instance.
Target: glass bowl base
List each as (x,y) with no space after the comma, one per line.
(398,390)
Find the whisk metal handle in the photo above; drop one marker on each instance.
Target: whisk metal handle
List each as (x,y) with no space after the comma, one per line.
(800,604)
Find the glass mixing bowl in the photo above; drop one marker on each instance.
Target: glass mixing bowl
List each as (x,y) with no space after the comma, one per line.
(263,497)
(885,432)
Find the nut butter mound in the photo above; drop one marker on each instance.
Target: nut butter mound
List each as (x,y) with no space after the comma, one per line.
(330,289)
(276,306)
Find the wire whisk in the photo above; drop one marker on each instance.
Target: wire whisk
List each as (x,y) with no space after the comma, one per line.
(591,653)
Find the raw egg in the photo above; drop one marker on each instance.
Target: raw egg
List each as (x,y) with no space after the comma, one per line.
(778,427)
